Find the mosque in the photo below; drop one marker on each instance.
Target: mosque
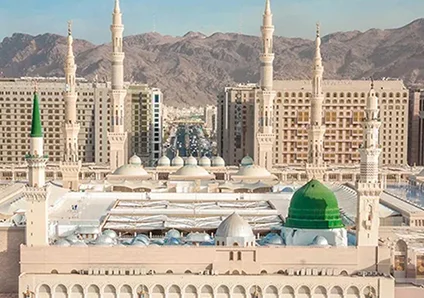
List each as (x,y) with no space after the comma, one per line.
(196,228)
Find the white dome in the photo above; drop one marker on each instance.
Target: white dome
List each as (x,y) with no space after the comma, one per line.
(218,161)
(104,240)
(234,226)
(191,161)
(247,161)
(320,241)
(253,171)
(191,171)
(130,170)
(205,162)
(164,161)
(177,161)
(198,237)
(110,233)
(135,160)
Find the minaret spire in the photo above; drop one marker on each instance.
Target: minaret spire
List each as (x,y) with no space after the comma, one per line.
(117,135)
(264,110)
(315,166)
(117,7)
(70,165)
(268,7)
(369,186)
(36,159)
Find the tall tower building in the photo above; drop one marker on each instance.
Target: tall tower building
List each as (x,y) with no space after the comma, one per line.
(315,167)
(36,194)
(265,136)
(117,135)
(368,186)
(70,165)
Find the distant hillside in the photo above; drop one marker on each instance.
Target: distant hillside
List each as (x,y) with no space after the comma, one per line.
(192,69)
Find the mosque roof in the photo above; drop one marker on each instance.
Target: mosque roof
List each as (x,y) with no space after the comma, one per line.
(314,206)
(234,226)
(36,128)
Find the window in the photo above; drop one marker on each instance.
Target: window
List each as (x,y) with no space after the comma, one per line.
(231,256)
(239,256)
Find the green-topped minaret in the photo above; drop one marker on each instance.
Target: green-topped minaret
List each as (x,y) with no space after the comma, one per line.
(36,127)
(36,159)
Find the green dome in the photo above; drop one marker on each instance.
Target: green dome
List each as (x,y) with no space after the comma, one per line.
(314,206)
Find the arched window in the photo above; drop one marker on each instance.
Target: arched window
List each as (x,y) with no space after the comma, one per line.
(239,256)
(231,256)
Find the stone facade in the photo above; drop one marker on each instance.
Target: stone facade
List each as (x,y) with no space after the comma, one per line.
(204,271)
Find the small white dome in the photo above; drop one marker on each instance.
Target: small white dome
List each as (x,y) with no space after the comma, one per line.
(253,171)
(234,226)
(198,237)
(135,160)
(218,161)
(164,161)
(320,241)
(173,233)
(191,161)
(247,161)
(205,162)
(131,170)
(110,233)
(177,161)
(191,171)
(104,240)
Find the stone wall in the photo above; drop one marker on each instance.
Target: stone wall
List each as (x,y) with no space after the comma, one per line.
(10,241)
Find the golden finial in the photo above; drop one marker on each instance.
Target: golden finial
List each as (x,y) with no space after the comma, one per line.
(372,83)
(69,28)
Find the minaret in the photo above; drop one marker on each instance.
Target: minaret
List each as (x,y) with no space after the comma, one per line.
(265,136)
(369,187)
(117,135)
(315,167)
(36,159)
(70,165)
(36,193)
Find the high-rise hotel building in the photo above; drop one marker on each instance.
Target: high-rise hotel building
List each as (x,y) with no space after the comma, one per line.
(144,127)
(343,110)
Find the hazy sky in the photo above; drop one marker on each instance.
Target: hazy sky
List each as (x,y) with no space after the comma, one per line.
(292,18)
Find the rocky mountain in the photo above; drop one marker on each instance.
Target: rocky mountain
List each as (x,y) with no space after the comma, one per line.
(192,69)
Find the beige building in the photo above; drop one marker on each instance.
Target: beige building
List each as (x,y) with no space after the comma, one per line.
(343,110)
(93,115)
(210,118)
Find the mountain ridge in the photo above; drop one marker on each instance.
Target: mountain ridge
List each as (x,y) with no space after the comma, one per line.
(192,69)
